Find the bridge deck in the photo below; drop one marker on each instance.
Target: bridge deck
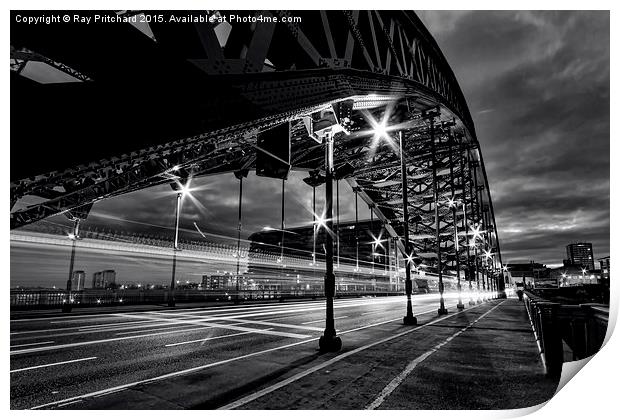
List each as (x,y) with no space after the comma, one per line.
(482,358)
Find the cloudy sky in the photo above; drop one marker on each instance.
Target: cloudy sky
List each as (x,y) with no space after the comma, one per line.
(537,84)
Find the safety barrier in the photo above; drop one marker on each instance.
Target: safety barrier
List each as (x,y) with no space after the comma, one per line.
(566,332)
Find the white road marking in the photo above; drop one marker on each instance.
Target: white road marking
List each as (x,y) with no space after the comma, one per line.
(384,322)
(32,344)
(202,340)
(198,320)
(182,372)
(52,364)
(275,324)
(86,343)
(323,320)
(168,375)
(394,383)
(265,391)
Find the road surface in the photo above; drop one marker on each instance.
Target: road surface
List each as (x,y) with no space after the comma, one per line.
(58,361)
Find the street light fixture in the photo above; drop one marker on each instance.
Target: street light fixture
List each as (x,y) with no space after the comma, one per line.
(182,187)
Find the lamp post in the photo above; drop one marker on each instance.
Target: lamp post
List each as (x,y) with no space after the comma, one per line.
(171,300)
(66,307)
(239,175)
(181,189)
(408,319)
(329,341)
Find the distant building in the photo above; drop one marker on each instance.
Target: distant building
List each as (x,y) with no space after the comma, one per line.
(604,267)
(529,273)
(573,275)
(580,254)
(216,282)
(78,279)
(104,279)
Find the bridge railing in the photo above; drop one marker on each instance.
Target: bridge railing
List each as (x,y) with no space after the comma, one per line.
(50,299)
(566,332)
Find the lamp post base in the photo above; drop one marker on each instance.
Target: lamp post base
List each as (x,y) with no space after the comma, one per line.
(410,320)
(442,311)
(460,306)
(330,344)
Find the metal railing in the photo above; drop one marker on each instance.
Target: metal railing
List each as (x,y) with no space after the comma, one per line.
(566,332)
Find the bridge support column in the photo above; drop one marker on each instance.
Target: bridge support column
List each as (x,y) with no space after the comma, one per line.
(442,308)
(463,158)
(329,342)
(408,319)
(453,204)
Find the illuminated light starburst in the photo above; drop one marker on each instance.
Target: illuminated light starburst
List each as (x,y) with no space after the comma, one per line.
(488,254)
(476,232)
(320,220)
(377,241)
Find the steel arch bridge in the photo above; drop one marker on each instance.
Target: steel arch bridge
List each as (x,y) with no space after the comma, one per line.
(148,95)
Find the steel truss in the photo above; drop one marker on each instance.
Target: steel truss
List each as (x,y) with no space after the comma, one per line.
(385,61)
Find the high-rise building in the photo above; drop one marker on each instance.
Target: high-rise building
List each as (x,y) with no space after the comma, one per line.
(104,279)
(78,280)
(581,254)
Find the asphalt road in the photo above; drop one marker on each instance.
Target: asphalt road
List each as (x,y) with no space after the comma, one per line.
(55,360)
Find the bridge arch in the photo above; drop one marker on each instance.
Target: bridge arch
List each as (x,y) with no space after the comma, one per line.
(146,98)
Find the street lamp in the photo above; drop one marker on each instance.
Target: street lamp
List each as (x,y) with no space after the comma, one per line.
(74,236)
(182,188)
(239,175)
(329,341)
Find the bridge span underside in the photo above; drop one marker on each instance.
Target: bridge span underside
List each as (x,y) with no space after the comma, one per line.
(142,103)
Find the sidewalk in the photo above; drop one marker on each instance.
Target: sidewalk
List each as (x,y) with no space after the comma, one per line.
(493,364)
(482,358)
